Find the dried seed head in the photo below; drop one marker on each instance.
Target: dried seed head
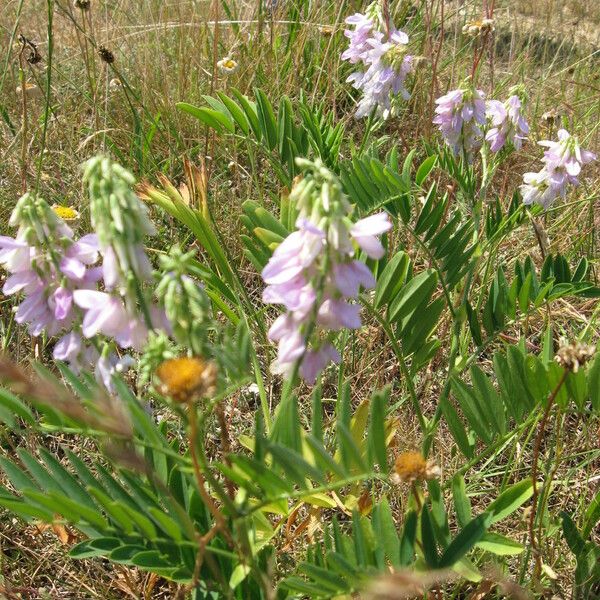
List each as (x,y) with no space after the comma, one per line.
(551,116)
(187,379)
(477,28)
(106,55)
(83,4)
(573,355)
(33,56)
(31,90)
(413,466)
(115,85)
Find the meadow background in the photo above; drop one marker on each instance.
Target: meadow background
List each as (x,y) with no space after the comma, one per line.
(164,52)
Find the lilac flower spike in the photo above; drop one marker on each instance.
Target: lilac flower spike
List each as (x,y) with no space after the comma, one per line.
(508,124)
(385,63)
(460,116)
(313,273)
(563,161)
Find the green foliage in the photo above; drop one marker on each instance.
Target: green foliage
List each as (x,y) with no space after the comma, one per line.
(283,135)
(523,384)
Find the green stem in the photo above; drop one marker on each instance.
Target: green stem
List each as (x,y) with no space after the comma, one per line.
(402,363)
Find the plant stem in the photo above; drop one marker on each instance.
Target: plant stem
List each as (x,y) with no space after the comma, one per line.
(534,472)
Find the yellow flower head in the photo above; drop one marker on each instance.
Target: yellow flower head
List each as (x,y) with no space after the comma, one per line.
(186,379)
(412,466)
(227,65)
(66,213)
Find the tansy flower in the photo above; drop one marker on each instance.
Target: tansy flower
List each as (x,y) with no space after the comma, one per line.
(413,466)
(227,65)
(186,379)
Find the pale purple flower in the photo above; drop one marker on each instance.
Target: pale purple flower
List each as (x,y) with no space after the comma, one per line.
(365,232)
(348,277)
(79,256)
(71,348)
(15,253)
(295,254)
(566,155)
(36,312)
(62,301)
(508,124)
(109,365)
(316,360)
(296,294)
(460,116)
(358,46)
(338,314)
(563,161)
(385,65)
(104,313)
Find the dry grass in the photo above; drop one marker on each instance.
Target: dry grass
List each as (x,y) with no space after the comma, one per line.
(163,54)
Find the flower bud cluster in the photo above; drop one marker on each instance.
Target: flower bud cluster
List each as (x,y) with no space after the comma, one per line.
(121,223)
(185,302)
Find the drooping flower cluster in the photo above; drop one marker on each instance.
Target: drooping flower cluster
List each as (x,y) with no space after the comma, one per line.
(460,116)
(509,126)
(385,63)
(65,292)
(314,274)
(46,265)
(562,160)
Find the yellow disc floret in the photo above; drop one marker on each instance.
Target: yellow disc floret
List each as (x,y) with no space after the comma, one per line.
(66,213)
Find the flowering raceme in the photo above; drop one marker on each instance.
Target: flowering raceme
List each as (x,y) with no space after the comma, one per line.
(383,57)
(59,278)
(460,116)
(46,265)
(508,124)
(314,274)
(563,161)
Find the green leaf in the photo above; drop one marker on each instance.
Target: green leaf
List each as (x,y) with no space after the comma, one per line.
(385,530)
(499,545)
(572,536)
(217,120)
(326,579)
(465,540)
(462,504)
(392,279)
(424,169)
(456,427)
(16,406)
(508,501)
(236,112)
(591,516)
(593,377)
(428,539)
(266,118)
(377,437)
(409,536)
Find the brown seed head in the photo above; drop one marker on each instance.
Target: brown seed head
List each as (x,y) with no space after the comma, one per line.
(573,355)
(187,379)
(83,4)
(106,55)
(412,466)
